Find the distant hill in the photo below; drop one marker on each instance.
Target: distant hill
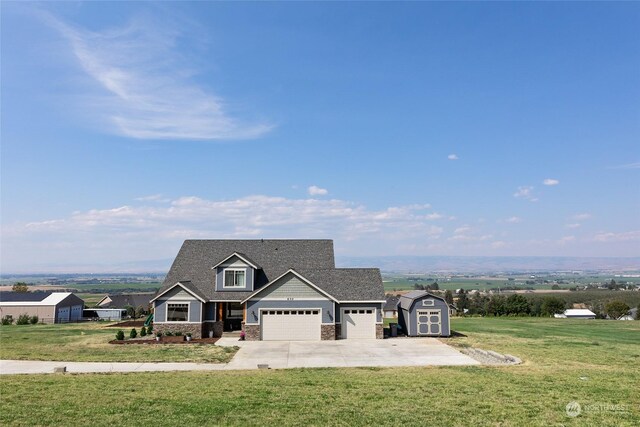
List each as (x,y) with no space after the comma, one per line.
(471,264)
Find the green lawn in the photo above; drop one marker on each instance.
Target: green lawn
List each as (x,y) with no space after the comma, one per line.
(592,362)
(88,342)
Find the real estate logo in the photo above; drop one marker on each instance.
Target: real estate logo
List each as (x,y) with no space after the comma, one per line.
(573,409)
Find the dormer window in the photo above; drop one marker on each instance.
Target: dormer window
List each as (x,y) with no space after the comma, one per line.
(234,278)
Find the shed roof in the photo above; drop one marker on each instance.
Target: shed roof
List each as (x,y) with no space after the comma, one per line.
(578,312)
(10,296)
(407,299)
(53,298)
(123,300)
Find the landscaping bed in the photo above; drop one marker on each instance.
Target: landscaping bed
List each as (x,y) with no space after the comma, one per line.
(165,341)
(128,323)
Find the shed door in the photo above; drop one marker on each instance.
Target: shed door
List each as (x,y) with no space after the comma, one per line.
(359,323)
(291,325)
(63,314)
(429,322)
(76,312)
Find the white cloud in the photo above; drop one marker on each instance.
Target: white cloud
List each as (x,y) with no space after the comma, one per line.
(635,165)
(574,225)
(566,239)
(581,216)
(617,237)
(147,87)
(153,198)
(550,181)
(452,157)
(513,220)
(526,192)
(317,191)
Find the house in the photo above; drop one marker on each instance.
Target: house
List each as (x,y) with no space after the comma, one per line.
(631,315)
(576,313)
(98,313)
(391,306)
(126,300)
(50,307)
(271,289)
(423,314)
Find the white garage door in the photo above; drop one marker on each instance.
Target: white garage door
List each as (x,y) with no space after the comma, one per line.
(359,323)
(429,322)
(291,325)
(63,314)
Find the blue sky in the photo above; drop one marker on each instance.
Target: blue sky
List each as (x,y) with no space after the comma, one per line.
(393,128)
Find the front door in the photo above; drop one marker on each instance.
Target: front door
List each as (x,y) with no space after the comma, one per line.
(233,316)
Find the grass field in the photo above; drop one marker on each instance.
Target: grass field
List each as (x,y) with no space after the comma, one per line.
(88,342)
(592,362)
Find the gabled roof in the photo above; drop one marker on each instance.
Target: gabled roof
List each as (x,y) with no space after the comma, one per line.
(196,258)
(52,298)
(123,300)
(578,312)
(243,257)
(392,302)
(407,299)
(277,279)
(348,284)
(187,286)
(9,296)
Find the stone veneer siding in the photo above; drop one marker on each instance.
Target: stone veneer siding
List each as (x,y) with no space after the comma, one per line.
(194,328)
(379,331)
(252,332)
(216,327)
(327,332)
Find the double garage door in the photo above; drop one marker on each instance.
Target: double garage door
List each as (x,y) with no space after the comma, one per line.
(291,325)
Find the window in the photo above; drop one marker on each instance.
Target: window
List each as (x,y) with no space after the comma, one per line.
(234,278)
(177,312)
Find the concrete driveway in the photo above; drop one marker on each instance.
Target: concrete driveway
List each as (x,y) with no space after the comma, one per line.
(345,353)
(281,355)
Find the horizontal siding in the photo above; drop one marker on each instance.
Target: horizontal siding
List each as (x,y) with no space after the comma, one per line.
(290,286)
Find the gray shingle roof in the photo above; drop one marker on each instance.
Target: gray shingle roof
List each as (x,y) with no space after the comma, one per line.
(407,299)
(196,257)
(348,284)
(133,300)
(392,302)
(8,296)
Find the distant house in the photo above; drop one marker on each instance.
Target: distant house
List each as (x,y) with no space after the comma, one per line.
(631,315)
(576,313)
(104,313)
(391,307)
(50,307)
(122,301)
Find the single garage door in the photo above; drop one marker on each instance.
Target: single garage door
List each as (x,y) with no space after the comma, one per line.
(359,323)
(76,313)
(429,322)
(291,325)
(63,314)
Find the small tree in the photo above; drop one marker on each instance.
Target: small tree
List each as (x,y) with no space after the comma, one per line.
(435,286)
(133,333)
(33,320)
(120,335)
(551,306)
(20,287)
(143,332)
(615,309)
(140,311)
(23,319)
(7,320)
(448,296)
(131,311)
(150,329)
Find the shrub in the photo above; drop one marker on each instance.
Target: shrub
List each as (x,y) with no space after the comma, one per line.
(169,333)
(150,328)
(33,320)
(188,334)
(7,320)
(120,335)
(133,333)
(23,319)
(178,334)
(158,334)
(143,332)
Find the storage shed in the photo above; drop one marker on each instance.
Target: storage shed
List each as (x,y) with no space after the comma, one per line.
(423,314)
(50,307)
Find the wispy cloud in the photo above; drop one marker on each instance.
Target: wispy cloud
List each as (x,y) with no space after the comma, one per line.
(147,87)
(153,198)
(617,237)
(452,157)
(526,192)
(317,191)
(551,182)
(574,225)
(635,165)
(581,216)
(513,220)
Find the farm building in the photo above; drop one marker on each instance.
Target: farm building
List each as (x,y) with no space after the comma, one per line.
(576,313)
(423,314)
(50,307)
